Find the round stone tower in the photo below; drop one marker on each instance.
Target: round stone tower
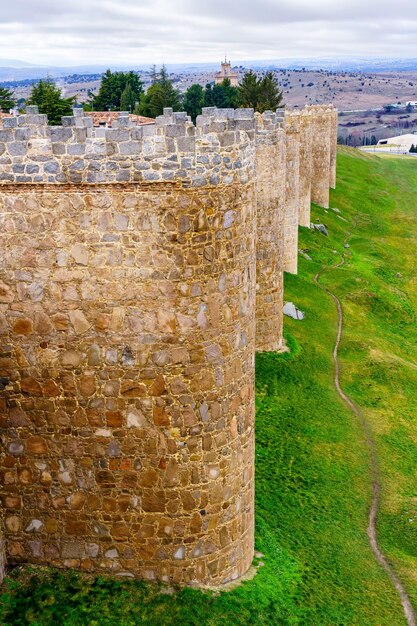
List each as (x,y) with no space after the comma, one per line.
(127,319)
(270,201)
(292,191)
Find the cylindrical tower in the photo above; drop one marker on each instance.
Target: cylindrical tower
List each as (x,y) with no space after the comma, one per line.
(270,196)
(292,191)
(333,146)
(127,301)
(305,166)
(321,155)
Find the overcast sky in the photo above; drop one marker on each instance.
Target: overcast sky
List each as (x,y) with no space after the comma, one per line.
(73,32)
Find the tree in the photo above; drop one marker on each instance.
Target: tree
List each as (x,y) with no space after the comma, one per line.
(261,94)
(248,90)
(113,85)
(222,96)
(7,101)
(127,99)
(46,95)
(270,95)
(160,94)
(194,101)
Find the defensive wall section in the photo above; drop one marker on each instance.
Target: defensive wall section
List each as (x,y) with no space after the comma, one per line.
(141,269)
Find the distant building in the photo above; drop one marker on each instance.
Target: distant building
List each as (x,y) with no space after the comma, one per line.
(402,143)
(226,72)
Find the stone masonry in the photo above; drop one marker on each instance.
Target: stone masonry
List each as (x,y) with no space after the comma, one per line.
(306,137)
(292,191)
(141,268)
(322,154)
(270,169)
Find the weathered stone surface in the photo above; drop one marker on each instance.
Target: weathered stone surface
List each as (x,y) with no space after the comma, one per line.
(270,166)
(291,311)
(79,322)
(292,191)
(321,228)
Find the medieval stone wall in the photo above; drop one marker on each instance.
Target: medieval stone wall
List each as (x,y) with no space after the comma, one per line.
(323,155)
(292,191)
(306,137)
(136,264)
(333,146)
(270,170)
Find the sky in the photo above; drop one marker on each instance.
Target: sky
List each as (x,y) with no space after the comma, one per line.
(136,32)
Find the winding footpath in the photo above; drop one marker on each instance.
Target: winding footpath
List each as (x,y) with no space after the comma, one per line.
(376,478)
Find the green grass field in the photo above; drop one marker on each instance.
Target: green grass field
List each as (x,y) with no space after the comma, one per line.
(312,466)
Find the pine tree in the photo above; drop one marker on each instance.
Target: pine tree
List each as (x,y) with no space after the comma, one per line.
(208,96)
(46,95)
(248,90)
(194,101)
(270,95)
(261,94)
(160,94)
(127,99)
(7,101)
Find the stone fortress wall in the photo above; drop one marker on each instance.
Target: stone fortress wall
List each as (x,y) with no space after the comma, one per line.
(141,269)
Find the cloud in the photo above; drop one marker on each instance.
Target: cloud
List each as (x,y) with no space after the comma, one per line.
(143,31)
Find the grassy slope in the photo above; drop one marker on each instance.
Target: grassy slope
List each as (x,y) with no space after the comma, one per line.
(312,467)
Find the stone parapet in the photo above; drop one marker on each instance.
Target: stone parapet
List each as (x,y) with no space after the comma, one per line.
(173,149)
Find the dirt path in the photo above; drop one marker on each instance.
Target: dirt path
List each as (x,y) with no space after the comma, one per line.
(376,478)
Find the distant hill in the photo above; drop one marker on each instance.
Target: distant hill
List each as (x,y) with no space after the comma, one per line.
(15,70)
(13,63)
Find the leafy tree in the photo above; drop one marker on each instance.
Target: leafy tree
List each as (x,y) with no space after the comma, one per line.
(230,94)
(222,96)
(47,96)
(194,101)
(413,148)
(160,94)
(7,101)
(113,86)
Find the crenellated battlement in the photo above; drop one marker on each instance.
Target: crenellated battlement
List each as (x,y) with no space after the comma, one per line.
(216,151)
(142,268)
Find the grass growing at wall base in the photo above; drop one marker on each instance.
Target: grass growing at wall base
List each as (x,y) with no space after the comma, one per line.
(312,468)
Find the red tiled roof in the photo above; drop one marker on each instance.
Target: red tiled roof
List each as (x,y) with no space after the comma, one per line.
(106,118)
